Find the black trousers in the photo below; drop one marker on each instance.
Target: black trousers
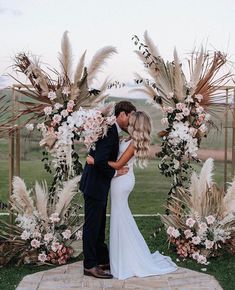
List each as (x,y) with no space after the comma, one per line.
(94,248)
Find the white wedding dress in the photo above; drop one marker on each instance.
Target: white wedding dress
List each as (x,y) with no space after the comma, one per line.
(129,253)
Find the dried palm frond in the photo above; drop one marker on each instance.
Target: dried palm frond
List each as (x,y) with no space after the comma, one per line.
(205,177)
(21,199)
(65,57)
(168,77)
(178,78)
(65,195)
(80,68)
(151,46)
(98,61)
(41,193)
(229,199)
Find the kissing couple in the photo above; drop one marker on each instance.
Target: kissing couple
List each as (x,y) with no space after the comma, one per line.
(110,167)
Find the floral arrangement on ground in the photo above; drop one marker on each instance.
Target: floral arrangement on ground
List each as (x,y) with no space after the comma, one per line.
(201,219)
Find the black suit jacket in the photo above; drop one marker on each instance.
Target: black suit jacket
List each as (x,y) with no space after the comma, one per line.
(95,181)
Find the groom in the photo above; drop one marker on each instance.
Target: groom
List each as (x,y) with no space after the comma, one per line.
(95,184)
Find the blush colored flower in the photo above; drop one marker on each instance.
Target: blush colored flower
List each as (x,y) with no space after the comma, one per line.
(57,118)
(199,97)
(188,234)
(190,222)
(47,110)
(42,257)
(210,219)
(202,260)
(55,246)
(35,243)
(196,240)
(203,227)
(54,217)
(64,113)
(209,244)
(186,112)
(170,230)
(66,234)
(52,96)
(66,91)
(57,106)
(48,237)
(180,106)
(170,95)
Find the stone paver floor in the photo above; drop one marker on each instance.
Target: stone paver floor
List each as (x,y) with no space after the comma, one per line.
(70,277)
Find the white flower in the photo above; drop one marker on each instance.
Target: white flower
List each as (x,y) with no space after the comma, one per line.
(202,260)
(29,127)
(164,122)
(204,269)
(47,110)
(25,235)
(210,219)
(196,240)
(66,234)
(35,243)
(175,233)
(57,106)
(52,95)
(199,97)
(66,91)
(57,118)
(186,112)
(190,222)
(188,234)
(78,235)
(64,113)
(176,163)
(54,217)
(209,244)
(41,127)
(42,257)
(48,237)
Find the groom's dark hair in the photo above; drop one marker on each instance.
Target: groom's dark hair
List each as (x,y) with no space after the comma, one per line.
(124,106)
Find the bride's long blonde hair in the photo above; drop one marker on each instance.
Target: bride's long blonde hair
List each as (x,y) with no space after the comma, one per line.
(140,131)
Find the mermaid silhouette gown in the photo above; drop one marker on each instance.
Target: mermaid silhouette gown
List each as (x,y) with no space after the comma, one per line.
(129,253)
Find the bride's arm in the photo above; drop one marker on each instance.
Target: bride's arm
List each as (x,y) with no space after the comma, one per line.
(125,157)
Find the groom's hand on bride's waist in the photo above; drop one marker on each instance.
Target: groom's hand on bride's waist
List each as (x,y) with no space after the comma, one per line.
(122,171)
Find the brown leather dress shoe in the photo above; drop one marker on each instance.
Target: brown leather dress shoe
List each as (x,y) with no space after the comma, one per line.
(104,267)
(97,272)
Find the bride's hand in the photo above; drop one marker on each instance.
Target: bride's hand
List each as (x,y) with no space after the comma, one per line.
(90,160)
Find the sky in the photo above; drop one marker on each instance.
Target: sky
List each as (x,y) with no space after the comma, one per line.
(37,27)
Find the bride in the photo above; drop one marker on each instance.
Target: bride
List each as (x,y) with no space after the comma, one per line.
(129,253)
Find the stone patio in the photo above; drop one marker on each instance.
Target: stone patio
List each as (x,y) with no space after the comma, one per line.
(70,277)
